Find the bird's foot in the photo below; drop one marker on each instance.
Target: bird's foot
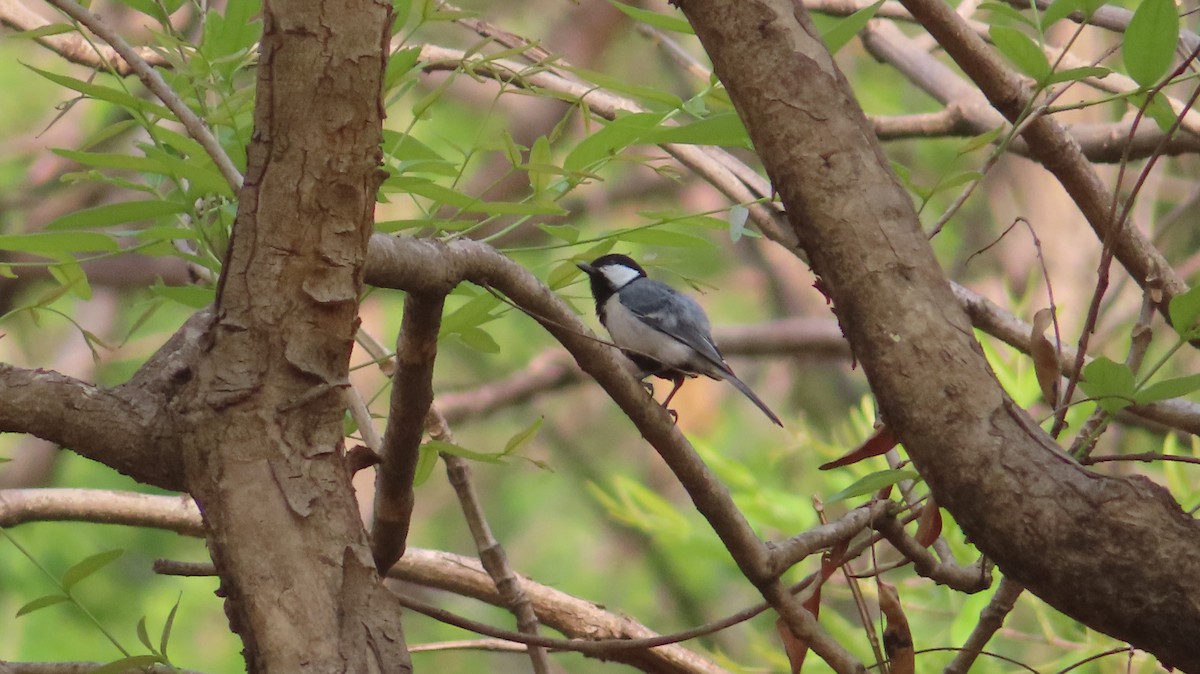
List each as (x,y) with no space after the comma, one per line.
(674,415)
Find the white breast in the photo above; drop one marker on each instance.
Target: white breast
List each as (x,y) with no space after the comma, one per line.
(629,332)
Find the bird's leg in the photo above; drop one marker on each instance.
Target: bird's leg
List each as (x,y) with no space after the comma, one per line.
(677,380)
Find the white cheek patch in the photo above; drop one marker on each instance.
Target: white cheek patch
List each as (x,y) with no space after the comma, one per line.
(619,275)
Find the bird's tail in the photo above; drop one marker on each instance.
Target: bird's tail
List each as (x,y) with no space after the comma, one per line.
(746,391)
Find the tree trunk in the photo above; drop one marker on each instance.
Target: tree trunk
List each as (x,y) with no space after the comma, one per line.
(261,419)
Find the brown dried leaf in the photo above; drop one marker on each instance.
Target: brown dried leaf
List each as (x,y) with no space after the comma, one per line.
(795,647)
(1045,357)
(879,443)
(897,638)
(929,525)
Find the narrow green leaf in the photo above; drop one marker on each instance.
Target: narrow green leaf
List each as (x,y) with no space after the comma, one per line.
(115,214)
(71,276)
(456,450)
(144,636)
(196,297)
(843,31)
(672,23)
(41,603)
(1059,10)
(129,664)
(1149,44)
(723,128)
(1109,383)
(982,140)
(54,243)
(44,31)
(426,460)
(475,312)
(88,566)
(540,157)
(522,437)
(1184,311)
(872,483)
(1021,50)
(1008,12)
(103,93)
(1168,388)
(738,215)
(166,635)
(479,340)
(657,236)
(1077,74)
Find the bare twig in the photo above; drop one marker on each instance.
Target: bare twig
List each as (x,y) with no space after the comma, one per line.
(491,553)
(991,618)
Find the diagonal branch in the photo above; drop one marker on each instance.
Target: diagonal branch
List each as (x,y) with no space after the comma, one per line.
(423,266)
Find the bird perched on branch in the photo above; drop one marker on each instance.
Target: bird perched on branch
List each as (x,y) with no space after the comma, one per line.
(664,332)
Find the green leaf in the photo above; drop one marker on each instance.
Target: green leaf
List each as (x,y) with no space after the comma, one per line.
(1168,388)
(426,459)
(196,297)
(723,128)
(1184,311)
(843,31)
(445,195)
(166,635)
(44,31)
(1021,50)
(115,214)
(872,483)
(41,603)
(54,243)
(657,236)
(87,567)
(479,340)
(617,135)
(1150,39)
(125,665)
(1001,9)
(1158,109)
(442,447)
(540,156)
(738,214)
(1109,383)
(1077,74)
(522,437)
(650,18)
(982,140)
(1059,10)
(112,95)
(475,312)
(71,276)
(144,636)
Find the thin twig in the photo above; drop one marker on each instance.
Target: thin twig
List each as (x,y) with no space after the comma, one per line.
(491,553)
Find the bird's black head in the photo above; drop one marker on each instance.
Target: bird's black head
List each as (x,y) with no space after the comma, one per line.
(608,274)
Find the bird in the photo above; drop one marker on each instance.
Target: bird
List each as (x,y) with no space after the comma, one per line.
(663,331)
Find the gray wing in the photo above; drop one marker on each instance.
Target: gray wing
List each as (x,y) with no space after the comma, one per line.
(673,313)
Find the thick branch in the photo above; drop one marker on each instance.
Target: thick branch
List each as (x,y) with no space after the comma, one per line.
(412,394)
(1116,554)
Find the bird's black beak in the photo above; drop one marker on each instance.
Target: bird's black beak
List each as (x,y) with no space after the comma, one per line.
(586,268)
